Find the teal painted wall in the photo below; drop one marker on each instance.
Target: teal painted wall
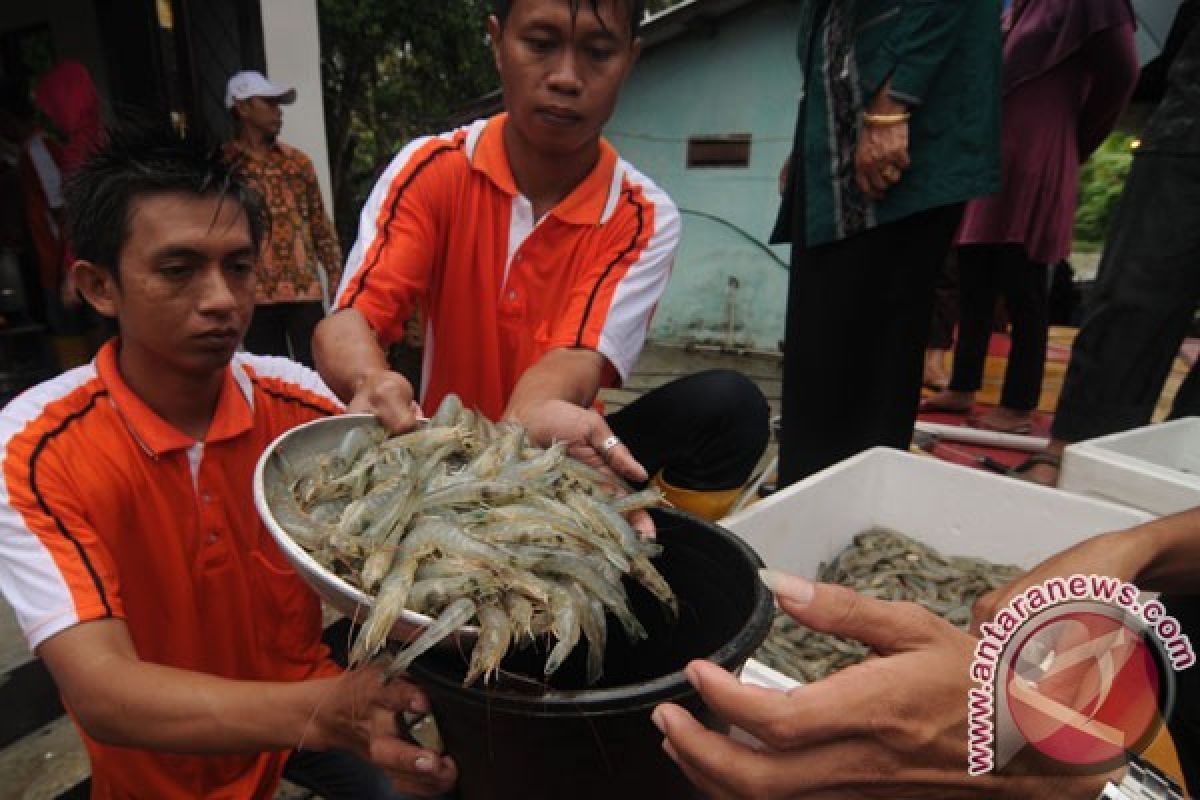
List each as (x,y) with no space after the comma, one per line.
(740,76)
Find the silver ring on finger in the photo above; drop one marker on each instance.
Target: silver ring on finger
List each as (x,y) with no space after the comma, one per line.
(608,444)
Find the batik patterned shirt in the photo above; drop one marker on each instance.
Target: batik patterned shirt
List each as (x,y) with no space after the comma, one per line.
(298,238)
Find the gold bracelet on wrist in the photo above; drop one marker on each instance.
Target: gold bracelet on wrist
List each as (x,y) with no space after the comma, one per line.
(885,119)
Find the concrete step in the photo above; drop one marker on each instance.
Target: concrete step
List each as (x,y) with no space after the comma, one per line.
(41,754)
(45,764)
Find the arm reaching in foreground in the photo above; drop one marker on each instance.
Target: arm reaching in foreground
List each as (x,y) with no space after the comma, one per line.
(890,727)
(552,401)
(353,364)
(1160,556)
(121,700)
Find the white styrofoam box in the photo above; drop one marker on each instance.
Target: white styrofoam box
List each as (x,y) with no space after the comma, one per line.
(757,673)
(1155,468)
(957,510)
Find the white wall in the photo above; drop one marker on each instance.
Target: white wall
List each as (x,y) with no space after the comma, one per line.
(293,51)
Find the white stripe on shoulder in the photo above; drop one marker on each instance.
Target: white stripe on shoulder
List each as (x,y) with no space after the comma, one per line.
(474,132)
(29,577)
(285,369)
(30,404)
(614,191)
(654,193)
(368,219)
(638,293)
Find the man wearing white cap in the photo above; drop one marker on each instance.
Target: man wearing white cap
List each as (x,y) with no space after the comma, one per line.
(300,239)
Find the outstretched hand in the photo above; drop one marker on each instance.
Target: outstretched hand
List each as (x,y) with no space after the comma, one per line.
(389,396)
(1115,555)
(890,727)
(589,440)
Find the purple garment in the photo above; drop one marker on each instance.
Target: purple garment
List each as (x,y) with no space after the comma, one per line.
(1069,69)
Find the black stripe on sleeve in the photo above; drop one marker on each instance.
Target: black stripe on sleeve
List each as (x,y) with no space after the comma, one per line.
(387,224)
(291,398)
(640,210)
(37,493)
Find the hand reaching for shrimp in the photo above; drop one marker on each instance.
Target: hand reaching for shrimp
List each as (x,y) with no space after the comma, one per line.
(389,396)
(589,440)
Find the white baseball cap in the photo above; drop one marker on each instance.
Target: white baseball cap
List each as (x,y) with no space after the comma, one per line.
(249,83)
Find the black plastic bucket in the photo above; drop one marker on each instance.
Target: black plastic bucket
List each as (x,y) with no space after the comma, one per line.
(563,741)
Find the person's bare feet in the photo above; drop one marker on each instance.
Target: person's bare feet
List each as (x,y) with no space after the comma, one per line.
(949,401)
(1004,420)
(1044,467)
(1042,474)
(935,376)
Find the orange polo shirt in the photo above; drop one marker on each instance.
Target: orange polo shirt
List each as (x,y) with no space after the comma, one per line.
(106,510)
(446,227)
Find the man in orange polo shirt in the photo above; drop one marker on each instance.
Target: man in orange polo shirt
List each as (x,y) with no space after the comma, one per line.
(539,255)
(185,647)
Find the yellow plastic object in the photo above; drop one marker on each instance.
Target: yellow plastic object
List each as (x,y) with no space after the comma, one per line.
(709,505)
(1161,753)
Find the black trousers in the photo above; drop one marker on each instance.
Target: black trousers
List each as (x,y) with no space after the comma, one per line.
(338,775)
(945,304)
(284,329)
(705,432)
(985,272)
(857,322)
(1141,306)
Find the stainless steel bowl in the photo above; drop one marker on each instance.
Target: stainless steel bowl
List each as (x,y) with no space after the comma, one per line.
(299,445)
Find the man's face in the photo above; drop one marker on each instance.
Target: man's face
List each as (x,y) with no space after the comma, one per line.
(562,73)
(186,290)
(263,114)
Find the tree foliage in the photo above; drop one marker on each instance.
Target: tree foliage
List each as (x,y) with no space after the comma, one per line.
(1101,182)
(392,71)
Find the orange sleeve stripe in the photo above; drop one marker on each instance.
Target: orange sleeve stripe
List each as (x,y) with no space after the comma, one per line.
(400,183)
(605,288)
(28,497)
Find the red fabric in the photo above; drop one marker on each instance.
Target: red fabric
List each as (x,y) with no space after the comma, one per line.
(68,97)
(1068,84)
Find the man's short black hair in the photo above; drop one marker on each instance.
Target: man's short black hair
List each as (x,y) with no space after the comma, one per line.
(636,9)
(138,160)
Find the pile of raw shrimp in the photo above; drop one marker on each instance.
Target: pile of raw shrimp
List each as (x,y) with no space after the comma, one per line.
(465,521)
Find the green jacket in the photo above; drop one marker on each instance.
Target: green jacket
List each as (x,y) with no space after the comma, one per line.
(944,60)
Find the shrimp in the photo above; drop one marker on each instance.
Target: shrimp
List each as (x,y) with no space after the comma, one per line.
(648,576)
(303,528)
(456,615)
(495,634)
(467,519)
(559,516)
(646,498)
(541,468)
(436,593)
(387,608)
(520,613)
(595,629)
(425,440)
(449,412)
(564,624)
(498,455)
(469,493)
